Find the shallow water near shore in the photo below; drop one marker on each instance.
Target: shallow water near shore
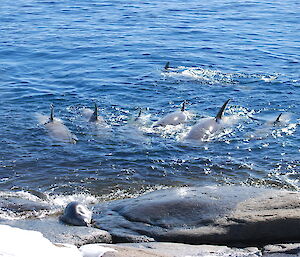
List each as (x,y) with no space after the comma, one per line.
(113,53)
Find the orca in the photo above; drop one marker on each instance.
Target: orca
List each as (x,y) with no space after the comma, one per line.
(207,127)
(280,119)
(277,121)
(93,115)
(56,129)
(173,118)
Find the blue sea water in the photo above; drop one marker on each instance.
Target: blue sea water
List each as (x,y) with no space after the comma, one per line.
(74,53)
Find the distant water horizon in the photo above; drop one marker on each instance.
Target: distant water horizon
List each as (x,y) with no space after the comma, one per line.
(74,54)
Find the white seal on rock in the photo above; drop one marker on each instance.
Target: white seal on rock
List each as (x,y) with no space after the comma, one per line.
(76,214)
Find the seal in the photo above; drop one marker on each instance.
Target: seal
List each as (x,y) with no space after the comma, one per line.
(173,118)
(207,127)
(76,214)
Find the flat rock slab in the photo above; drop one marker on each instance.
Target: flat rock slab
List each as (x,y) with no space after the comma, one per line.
(230,215)
(58,232)
(278,249)
(177,250)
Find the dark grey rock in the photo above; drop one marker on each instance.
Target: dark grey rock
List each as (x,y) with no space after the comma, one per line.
(238,216)
(58,232)
(20,205)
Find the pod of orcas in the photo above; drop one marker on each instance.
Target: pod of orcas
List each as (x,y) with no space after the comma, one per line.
(58,131)
(204,129)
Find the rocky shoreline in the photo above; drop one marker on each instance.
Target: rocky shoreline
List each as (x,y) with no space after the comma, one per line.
(208,221)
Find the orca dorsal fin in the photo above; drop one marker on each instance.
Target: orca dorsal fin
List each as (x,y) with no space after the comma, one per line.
(183,105)
(51,118)
(221,111)
(140,113)
(278,118)
(167,66)
(94,116)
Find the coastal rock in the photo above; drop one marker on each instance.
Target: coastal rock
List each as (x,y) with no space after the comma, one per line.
(58,232)
(236,216)
(19,205)
(282,249)
(177,249)
(26,243)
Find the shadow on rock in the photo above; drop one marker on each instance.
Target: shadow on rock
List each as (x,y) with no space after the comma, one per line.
(236,216)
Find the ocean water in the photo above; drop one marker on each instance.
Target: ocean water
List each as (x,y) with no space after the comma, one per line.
(73,54)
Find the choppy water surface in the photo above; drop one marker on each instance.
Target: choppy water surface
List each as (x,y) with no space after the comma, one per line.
(72,54)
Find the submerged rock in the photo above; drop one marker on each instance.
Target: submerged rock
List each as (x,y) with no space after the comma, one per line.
(211,215)
(21,206)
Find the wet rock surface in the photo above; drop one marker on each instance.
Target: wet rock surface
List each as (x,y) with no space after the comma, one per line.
(58,232)
(19,205)
(230,215)
(208,221)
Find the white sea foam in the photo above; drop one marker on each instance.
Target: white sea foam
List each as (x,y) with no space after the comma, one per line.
(211,76)
(23,205)
(63,200)
(54,204)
